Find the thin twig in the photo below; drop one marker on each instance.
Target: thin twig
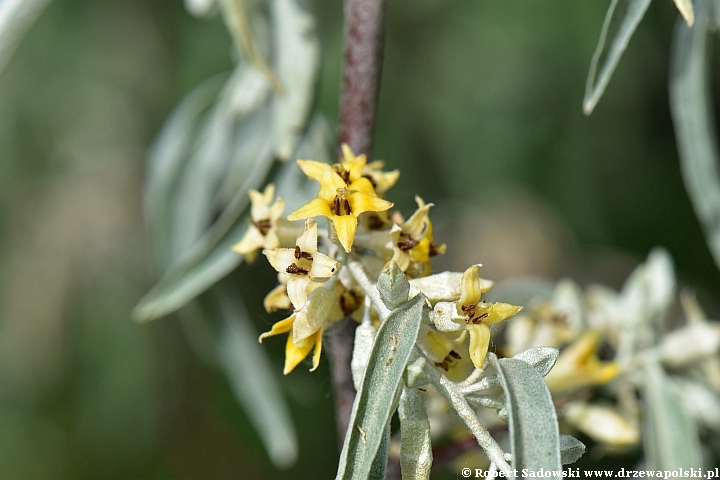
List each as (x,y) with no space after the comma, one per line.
(364,32)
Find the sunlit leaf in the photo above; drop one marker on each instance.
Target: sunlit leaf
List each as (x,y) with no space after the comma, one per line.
(534,435)
(621,20)
(376,400)
(571,449)
(693,116)
(670,439)
(541,358)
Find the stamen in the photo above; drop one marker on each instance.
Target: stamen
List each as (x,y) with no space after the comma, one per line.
(293,268)
(262,225)
(300,254)
(479,319)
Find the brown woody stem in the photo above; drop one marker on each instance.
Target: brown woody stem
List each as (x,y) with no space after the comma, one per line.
(364,32)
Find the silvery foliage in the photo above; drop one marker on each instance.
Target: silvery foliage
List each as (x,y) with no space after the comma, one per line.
(231,134)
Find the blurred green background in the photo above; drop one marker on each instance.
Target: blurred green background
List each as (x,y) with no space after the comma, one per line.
(480,109)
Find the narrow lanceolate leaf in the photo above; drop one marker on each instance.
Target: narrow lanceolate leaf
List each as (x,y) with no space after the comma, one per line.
(16,17)
(670,437)
(296,64)
(415,445)
(571,449)
(621,20)
(376,400)
(694,119)
(534,435)
(253,379)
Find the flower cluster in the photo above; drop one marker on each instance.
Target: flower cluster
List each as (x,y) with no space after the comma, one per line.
(316,288)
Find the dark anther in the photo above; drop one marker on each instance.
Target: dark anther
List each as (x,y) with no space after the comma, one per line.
(454,354)
(295,269)
(263,226)
(370,178)
(433,250)
(480,318)
(468,307)
(346,205)
(408,244)
(300,254)
(335,207)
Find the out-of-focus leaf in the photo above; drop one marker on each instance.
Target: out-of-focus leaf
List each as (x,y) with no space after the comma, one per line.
(376,400)
(237,19)
(415,445)
(212,257)
(571,449)
(166,160)
(694,120)
(252,378)
(296,64)
(16,17)
(621,20)
(534,435)
(670,439)
(541,358)
(521,291)
(378,469)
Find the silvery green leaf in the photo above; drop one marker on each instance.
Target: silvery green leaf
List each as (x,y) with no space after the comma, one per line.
(571,449)
(621,20)
(534,436)
(699,401)
(541,358)
(415,444)
(443,286)
(378,469)
(364,338)
(166,160)
(521,291)
(393,286)
(252,378)
(16,17)
(670,439)
(415,373)
(693,116)
(296,64)
(376,400)
(689,344)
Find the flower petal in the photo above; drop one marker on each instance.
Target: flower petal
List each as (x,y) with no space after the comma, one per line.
(323,266)
(307,241)
(318,350)
(315,207)
(329,180)
(314,315)
(297,289)
(258,207)
(268,194)
(283,326)
(277,299)
(363,185)
(280,258)
(497,311)
(296,353)
(415,225)
(251,241)
(345,227)
(276,210)
(363,202)
(479,343)
(471,286)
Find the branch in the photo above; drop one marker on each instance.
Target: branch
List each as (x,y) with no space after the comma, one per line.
(364,32)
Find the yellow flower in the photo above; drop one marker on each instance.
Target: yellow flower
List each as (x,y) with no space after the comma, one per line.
(478,314)
(381,181)
(413,242)
(578,366)
(303,264)
(264,217)
(449,351)
(277,298)
(305,327)
(344,194)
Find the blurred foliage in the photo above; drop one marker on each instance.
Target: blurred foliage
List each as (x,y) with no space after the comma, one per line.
(480,108)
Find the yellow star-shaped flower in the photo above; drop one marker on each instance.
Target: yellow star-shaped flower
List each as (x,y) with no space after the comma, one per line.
(413,242)
(264,218)
(344,194)
(478,314)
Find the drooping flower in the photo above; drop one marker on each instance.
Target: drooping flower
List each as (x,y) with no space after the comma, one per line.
(413,242)
(303,264)
(344,194)
(305,326)
(264,218)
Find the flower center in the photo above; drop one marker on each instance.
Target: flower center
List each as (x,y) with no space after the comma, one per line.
(340,204)
(406,242)
(342,173)
(450,361)
(469,310)
(262,225)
